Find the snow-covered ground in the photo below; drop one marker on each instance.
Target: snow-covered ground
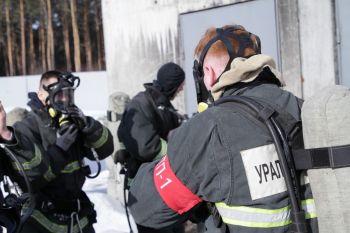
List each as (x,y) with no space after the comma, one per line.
(111,216)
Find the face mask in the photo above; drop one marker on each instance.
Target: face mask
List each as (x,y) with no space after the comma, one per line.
(61,97)
(203,95)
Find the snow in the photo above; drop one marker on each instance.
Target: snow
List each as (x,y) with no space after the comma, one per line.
(111,216)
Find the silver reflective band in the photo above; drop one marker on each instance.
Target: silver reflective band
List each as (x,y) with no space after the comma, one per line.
(262,218)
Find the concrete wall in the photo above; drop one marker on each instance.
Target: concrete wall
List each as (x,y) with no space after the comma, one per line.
(141,35)
(317,41)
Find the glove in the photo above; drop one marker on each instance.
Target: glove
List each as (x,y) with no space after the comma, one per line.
(67,138)
(78,117)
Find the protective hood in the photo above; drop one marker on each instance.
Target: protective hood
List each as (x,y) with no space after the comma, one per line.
(245,70)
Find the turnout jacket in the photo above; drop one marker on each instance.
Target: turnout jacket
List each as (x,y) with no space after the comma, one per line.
(56,176)
(224,157)
(145,125)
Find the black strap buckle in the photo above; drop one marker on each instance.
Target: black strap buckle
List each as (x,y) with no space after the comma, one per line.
(113,116)
(328,157)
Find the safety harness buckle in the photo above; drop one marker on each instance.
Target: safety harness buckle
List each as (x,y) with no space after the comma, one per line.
(75,218)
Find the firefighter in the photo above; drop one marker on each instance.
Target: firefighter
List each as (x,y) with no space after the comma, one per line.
(223,157)
(59,136)
(148,119)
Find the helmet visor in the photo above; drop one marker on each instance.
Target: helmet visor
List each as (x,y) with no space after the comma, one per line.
(63,98)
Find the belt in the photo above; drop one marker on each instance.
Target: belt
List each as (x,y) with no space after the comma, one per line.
(60,207)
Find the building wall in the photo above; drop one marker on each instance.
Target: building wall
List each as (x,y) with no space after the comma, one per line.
(142,35)
(317,48)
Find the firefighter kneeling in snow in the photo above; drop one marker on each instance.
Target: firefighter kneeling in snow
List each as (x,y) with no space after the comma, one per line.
(51,143)
(223,156)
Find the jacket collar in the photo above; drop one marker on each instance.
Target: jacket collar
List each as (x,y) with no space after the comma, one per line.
(159,98)
(245,70)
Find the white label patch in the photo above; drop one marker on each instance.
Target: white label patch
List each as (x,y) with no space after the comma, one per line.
(263,170)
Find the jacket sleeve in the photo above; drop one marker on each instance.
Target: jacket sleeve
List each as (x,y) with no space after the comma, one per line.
(99,138)
(191,155)
(139,134)
(40,166)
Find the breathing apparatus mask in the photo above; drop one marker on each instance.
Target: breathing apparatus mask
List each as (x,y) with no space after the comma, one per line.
(244,40)
(61,99)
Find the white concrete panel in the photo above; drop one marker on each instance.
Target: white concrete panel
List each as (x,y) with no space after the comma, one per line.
(343,19)
(13,92)
(139,37)
(317,45)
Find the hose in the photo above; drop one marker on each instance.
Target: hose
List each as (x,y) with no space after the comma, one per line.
(29,187)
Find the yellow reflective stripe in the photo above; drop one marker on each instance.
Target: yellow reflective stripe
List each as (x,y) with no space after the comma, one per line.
(54,227)
(49,174)
(163,149)
(102,140)
(71,167)
(32,163)
(121,146)
(262,218)
(256,224)
(309,207)
(251,209)
(310,215)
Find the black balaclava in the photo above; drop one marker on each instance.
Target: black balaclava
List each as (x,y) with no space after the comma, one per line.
(169,78)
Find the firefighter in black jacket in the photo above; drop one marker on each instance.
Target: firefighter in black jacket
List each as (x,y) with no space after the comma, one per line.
(51,142)
(224,155)
(148,119)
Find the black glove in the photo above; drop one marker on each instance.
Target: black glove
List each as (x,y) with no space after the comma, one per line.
(67,138)
(78,117)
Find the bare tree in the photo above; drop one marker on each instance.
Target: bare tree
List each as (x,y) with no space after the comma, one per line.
(76,40)
(50,51)
(32,58)
(87,40)
(9,39)
(42,47)
(98,36)
(65,30)
(23,38)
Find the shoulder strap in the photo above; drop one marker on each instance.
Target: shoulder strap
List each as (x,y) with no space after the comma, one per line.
(152,105)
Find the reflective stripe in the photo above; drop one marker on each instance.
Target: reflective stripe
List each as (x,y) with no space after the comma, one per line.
(32,163)
(309,207)
(102,140)
(54,227)
(71,167)
(163,149)
(49,174)
(262,218)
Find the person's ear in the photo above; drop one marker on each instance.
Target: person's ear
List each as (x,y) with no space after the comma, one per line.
(209,76)
(42,96)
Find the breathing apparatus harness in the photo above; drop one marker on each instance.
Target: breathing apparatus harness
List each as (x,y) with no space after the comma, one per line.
(59,101)
(17,207)
(266,114)
(258,110)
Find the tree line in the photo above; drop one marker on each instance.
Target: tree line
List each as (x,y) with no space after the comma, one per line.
(41,35)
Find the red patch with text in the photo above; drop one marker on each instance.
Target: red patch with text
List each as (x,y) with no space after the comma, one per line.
(173,192)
